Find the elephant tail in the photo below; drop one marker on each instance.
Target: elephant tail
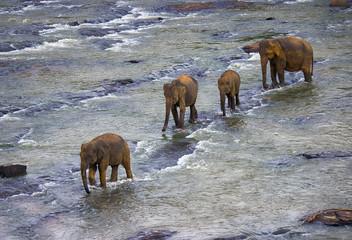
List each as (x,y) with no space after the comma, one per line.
(311,73)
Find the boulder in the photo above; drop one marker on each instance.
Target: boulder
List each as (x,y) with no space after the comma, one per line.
(339,3)
(153,235)
(12,170)
(327,154)
(330,217)
(190,7)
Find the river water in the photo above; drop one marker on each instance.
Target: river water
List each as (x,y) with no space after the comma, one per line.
(241,175)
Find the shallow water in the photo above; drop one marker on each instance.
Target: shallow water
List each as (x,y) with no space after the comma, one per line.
(224,176)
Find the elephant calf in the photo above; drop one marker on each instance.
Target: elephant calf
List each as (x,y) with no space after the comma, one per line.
(229,85)
(105,150)
(181,92)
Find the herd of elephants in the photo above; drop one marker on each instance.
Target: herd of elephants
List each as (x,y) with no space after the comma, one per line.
(285,53)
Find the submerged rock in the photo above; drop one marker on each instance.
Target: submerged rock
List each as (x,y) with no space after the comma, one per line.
(12,170)
(330,217)
(339,3)
(190,7)
(153,235)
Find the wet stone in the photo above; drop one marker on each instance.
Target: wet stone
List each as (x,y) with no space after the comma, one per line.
(12,170)
(327,154)
(153,235)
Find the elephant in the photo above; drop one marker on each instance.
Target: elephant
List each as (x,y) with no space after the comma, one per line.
(181,92)
(105,150)
(229,85)
(285,53)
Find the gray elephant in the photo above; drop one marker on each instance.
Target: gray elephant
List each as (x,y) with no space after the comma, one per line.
(285,53)
(229,85)
(181,92)
(105,150)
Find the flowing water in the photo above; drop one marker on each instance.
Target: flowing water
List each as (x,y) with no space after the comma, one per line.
(244,175)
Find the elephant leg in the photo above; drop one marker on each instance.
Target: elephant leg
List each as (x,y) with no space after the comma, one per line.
(229,101)
(232,99)
(281,78)
(126,163)
(222,104)
(102,174)
(175,115)
(237,99)
(113,177)
(194,114)
(307,75)
(91,174)
(182,118)
(273,74)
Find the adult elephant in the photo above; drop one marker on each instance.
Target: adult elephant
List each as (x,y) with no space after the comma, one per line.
(181,92)
(105,150)
(285,53)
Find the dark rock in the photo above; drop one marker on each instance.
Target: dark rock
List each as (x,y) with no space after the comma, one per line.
(191,7)
(281,231)
(12,170)
(153,235)
(96,32)
(238,237)
(73,24)
(331,217)
(270,18)
(6,47)
(188,7)
(134,61)
(339,3)
(327,154)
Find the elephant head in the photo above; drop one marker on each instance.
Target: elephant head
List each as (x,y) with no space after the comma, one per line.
(268,49)
(90,154)
(174,96)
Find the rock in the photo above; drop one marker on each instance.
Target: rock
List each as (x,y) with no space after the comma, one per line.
(190,7)
(12,170)
(134,61)
(238,237)
(331,217)
(97,32)
(153,235)
(339,3)
(251,48)
(327,154)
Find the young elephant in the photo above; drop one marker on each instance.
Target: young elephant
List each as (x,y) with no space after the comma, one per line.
(182,93)
(286,53)
(229,85)
(106,150)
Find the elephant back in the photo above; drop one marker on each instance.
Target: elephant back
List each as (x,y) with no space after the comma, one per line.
(191,86)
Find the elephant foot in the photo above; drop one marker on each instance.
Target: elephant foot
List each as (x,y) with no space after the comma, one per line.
(266,86)
(192,121)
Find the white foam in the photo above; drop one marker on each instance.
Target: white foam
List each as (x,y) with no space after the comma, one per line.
(8,117)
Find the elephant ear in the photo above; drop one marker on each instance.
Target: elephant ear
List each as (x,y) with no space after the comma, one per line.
(181,94)
(276,47)
(100,149)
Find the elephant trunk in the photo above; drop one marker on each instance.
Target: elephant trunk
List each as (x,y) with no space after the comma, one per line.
(222,103)
(167,113)
(84,177)
(264,61)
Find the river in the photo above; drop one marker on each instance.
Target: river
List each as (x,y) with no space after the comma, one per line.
(63,71)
